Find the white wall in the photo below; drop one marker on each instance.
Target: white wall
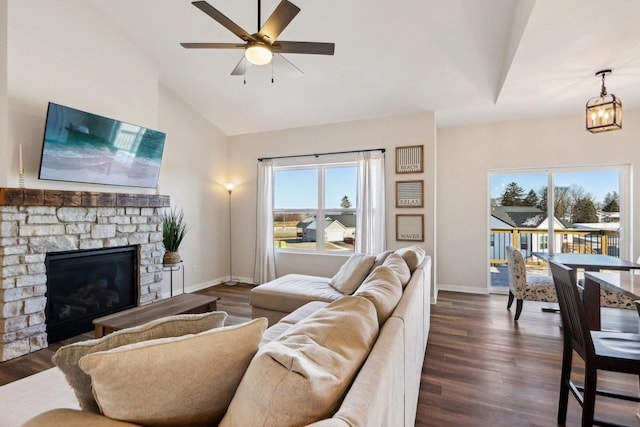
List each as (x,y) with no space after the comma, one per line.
(465,155)
(194,167)
(367,134)
(64,52)
(4,105)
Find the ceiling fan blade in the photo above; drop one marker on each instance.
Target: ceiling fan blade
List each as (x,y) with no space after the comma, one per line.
(278,21)
(284,65)
(212,46)
(304,47)
(223,20)
(242,67)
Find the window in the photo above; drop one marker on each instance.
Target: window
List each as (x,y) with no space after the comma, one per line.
(558,210)
(544,243)
(302,195)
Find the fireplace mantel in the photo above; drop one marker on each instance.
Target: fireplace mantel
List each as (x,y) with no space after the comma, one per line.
(41,197)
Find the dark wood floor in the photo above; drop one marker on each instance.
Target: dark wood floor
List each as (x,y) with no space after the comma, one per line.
(481,368)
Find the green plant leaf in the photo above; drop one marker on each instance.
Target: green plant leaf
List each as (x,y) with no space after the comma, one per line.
(173,229)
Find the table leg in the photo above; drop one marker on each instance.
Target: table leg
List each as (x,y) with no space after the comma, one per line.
(99,331)
(591,301)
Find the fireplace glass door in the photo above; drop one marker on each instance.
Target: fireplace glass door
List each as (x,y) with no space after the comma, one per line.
(84,285)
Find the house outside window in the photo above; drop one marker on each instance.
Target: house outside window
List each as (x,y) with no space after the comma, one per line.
(314,207)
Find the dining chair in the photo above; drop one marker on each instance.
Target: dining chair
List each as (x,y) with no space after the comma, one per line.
(609,351)
(523,286)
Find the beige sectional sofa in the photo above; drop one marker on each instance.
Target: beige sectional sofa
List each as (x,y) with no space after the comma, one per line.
(350,361)
(385,392)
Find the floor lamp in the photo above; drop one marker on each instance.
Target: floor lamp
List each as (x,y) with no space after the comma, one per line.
(230,282)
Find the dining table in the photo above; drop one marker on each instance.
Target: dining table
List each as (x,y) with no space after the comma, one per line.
(588,262)
(595,279)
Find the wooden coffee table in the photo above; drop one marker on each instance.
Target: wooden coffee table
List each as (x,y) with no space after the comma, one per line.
(184,303)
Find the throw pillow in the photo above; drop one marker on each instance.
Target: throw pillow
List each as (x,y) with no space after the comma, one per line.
(413,256)
(303,376)
(396,263)
(383,288)
(180,381)
(67,357)
(352,273)
(380,258)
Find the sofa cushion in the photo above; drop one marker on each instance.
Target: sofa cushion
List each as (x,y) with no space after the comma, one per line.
(64,417)
(303,312)
(180,381)
(291,319)
(67,357)
(380,258)
(352,273)
(383,288)
(287,293)
(399,266)
(413,256)
(302,376)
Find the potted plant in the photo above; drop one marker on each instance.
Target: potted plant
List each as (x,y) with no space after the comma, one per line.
(173,231)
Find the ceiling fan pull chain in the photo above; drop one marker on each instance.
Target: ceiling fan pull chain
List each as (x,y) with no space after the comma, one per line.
(271,72)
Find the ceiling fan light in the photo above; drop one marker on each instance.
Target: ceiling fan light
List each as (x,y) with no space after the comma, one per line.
(258,53)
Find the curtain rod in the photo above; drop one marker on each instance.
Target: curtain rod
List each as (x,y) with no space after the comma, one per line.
(321,154)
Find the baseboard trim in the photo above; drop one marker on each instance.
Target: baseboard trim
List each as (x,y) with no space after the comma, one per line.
(462,289)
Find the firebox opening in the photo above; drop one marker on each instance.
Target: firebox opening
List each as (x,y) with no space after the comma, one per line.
(87,284)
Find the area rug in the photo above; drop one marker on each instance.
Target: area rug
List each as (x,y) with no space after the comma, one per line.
(25,398)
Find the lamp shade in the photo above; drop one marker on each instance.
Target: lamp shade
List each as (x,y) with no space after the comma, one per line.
(604,112)
(258,53)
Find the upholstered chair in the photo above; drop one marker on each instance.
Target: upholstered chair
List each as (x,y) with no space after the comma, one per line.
(523,286)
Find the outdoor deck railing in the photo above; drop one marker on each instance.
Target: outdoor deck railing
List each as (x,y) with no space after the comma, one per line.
(529,240)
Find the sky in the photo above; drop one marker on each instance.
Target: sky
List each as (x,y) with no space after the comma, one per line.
(598,183)
(298,188)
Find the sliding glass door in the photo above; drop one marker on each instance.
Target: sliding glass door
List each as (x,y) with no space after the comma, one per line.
(582,210)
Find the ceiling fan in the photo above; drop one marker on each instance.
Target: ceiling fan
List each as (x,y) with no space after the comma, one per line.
(260,48)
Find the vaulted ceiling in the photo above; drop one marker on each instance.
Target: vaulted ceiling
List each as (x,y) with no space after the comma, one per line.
(469,61)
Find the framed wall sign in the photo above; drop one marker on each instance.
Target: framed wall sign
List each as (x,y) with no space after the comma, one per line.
(409,159)
(409,194)
(410,228)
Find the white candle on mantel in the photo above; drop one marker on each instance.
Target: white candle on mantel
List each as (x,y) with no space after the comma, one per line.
(21,168)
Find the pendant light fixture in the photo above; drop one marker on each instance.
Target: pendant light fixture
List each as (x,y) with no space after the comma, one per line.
(604,112)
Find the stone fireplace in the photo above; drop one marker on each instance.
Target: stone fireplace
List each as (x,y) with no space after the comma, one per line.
(36,222)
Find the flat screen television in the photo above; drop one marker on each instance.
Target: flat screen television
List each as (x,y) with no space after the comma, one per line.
(85,147)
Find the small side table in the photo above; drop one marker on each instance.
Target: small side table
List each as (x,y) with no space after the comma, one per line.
(171,268)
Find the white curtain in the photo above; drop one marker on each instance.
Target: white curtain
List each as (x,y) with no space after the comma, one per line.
(370,218)
(265,269)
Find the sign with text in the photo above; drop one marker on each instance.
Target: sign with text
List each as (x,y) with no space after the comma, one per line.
(409,159)
(409,194)
(410,228)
